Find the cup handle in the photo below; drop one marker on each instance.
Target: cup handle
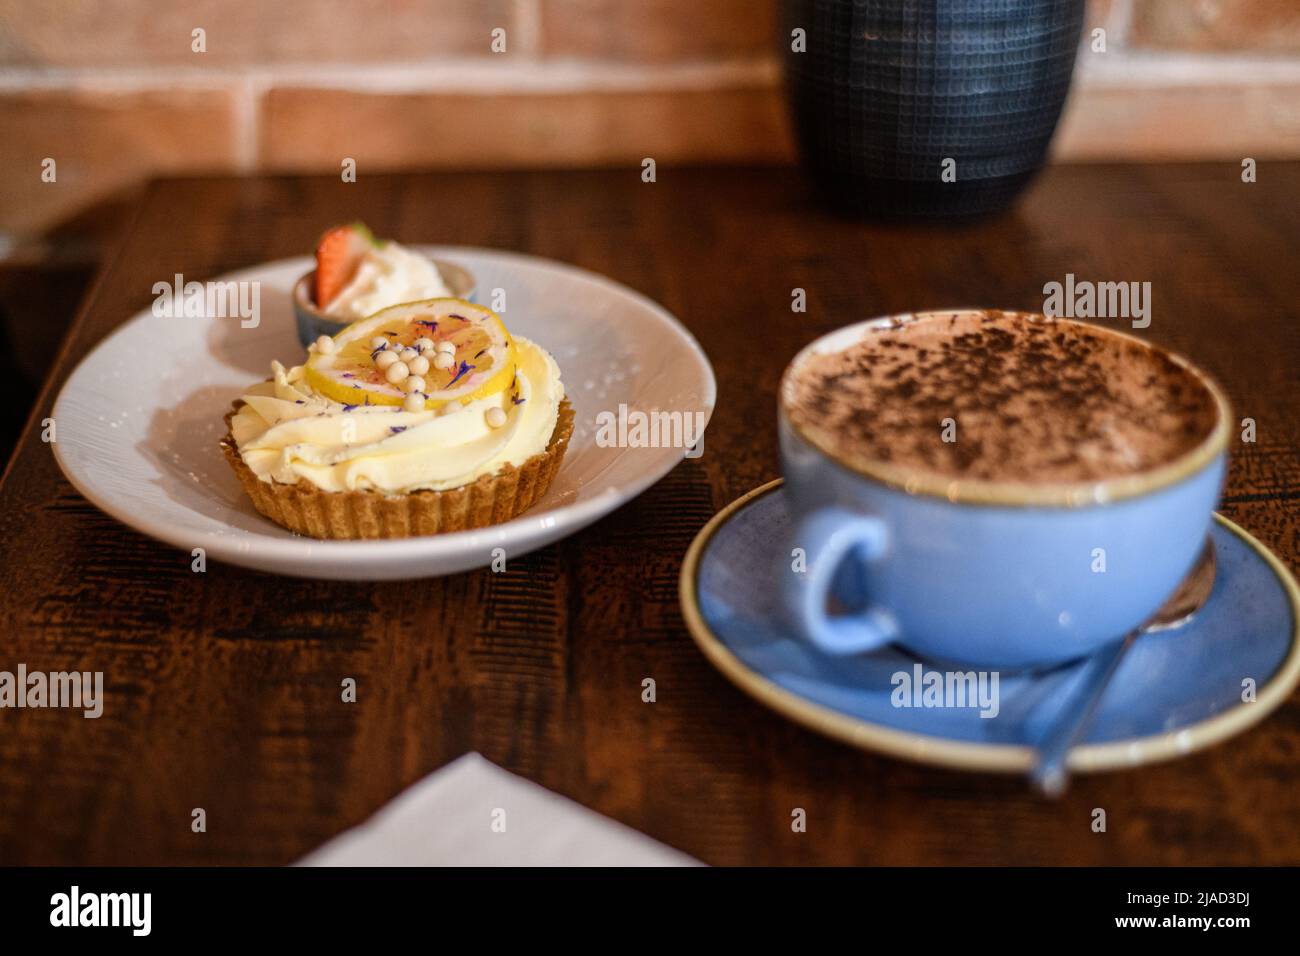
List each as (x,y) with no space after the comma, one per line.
(829,536)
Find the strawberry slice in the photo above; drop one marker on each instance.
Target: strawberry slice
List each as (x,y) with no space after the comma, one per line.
(337,257)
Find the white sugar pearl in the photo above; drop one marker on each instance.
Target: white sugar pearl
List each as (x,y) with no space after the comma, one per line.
(325,345)
(413,384)
(409,355)
(396,372)
(444,360)
(496,417)
(447,347)
(378,342)
(423,342)
(418,365)
(413,403)
(385,360)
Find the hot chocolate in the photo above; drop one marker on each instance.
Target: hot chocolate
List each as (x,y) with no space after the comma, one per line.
(1000,396)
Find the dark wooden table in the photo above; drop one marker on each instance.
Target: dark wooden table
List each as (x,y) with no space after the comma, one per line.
(223,688)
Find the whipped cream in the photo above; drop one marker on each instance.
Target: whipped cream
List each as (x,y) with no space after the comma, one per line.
(286,432)
(388,274)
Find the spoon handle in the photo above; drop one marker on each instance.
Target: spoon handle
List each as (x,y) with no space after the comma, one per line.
(1049,774)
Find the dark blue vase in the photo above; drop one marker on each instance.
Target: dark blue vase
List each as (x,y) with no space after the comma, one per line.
(928,109)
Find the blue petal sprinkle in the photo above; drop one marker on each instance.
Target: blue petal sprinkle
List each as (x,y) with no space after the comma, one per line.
(464,367)
(518,401)
(396,428)
(348,408)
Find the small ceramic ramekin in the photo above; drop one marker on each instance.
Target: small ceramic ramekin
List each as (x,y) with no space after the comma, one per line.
(312,323)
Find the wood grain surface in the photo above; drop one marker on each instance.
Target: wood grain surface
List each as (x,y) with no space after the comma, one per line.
(223,688)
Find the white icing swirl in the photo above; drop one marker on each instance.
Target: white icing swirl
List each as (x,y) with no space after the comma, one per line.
(286,432)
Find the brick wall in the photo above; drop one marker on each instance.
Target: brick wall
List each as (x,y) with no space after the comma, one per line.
(113,91)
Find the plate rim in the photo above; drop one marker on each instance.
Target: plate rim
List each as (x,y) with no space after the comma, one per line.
(319,555)
(961,755)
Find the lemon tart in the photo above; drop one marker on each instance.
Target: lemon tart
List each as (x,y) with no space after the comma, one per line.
(424,418)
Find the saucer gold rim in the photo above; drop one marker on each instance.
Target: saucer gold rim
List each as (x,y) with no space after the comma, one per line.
(995,758)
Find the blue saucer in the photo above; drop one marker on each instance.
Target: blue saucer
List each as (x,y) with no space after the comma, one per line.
(1175,691)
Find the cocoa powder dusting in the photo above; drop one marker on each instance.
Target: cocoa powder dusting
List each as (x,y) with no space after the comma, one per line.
(1033,400)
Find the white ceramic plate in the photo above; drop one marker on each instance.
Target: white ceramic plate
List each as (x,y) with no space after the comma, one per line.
(138,421)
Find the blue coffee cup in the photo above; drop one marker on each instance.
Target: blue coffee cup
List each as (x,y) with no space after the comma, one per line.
(993,573)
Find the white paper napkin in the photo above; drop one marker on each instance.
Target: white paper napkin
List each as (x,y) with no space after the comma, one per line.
(473,813)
